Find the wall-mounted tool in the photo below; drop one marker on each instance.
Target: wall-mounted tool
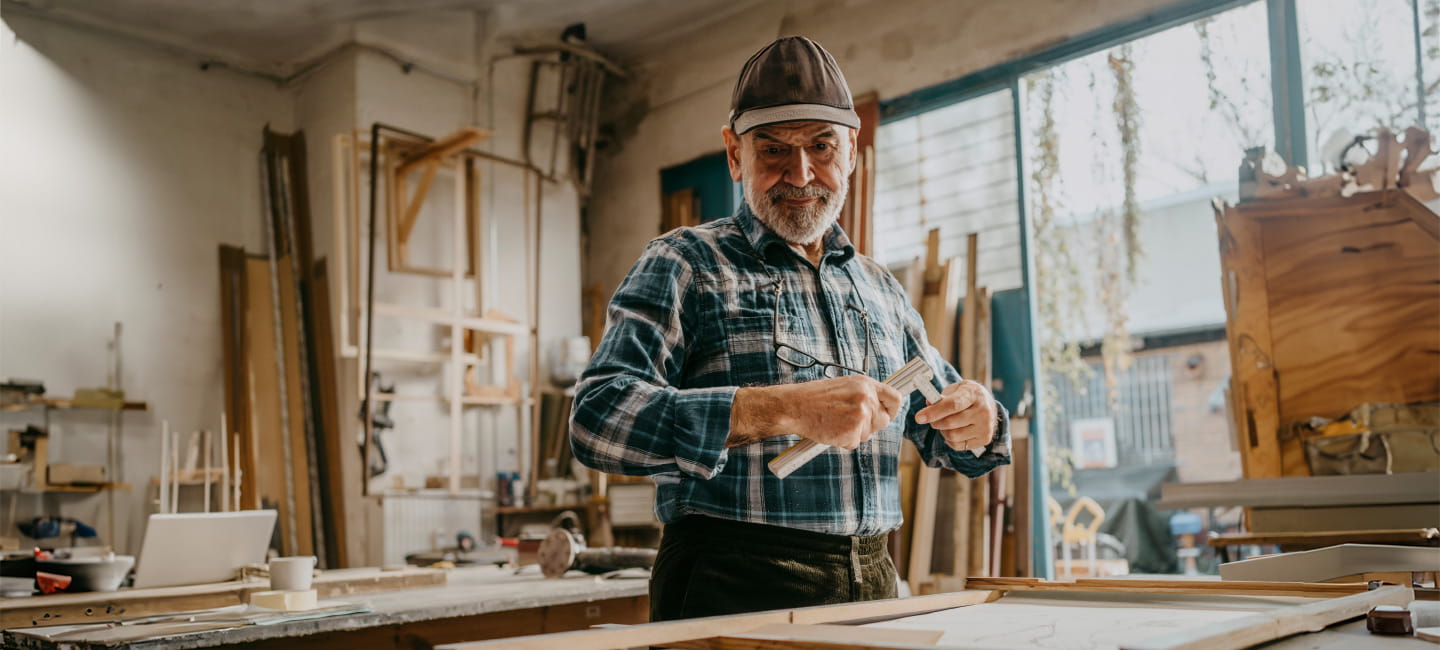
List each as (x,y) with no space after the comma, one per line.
(914,375)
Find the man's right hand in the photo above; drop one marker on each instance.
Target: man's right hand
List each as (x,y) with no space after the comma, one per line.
(841,412)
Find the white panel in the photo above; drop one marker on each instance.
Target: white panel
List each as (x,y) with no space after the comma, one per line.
(415,523)
(952,168)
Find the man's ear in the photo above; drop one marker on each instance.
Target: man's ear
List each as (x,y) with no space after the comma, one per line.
(732,151)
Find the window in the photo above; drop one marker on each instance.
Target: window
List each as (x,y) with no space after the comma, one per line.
(954,169)
(1199,95)
(1360,69)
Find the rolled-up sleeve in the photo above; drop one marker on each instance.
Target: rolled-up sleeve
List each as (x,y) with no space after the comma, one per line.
(629,416)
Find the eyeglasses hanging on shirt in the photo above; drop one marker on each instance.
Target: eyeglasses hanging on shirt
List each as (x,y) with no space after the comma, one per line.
(798,358)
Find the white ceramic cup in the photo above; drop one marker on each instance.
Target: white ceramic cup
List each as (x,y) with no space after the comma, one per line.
(292,573)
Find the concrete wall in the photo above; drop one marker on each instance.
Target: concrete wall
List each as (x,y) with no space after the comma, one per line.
(124,170)
(889,46)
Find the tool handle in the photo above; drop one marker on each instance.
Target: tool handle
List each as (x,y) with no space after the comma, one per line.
(795,457)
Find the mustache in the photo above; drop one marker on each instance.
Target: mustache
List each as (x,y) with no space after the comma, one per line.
(783,191)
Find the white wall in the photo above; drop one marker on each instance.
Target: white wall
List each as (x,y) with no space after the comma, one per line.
(1178,277)
(460,44)
(889,46)
(124,168)
(123,171)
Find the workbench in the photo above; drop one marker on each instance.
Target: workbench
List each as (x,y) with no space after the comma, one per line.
(475,603)
(1028,614)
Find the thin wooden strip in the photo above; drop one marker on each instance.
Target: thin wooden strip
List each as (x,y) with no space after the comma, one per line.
(1329,538)
(706,628)
(833,637)
(747,643)
(1279,623)
(648,634)
(879,609)
(1301,589)
(446,146)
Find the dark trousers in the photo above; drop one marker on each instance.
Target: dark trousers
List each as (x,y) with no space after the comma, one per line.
(709,567)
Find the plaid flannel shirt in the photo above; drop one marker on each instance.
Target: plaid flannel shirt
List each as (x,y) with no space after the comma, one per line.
(695,319)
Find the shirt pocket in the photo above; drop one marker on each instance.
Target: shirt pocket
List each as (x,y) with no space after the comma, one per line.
(748,351)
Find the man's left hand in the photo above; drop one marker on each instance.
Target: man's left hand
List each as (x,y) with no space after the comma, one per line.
(965,415)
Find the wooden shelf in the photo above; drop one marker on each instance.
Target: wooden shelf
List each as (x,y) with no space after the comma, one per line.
(77,489)
(468,400)
(523,510)
(446,317)
(60,403)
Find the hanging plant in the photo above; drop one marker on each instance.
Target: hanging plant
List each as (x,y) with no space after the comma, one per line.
(1118,233)
(1059,295)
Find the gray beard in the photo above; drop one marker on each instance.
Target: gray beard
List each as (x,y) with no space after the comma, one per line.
(801,225)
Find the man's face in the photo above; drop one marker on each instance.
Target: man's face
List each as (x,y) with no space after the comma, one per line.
(795,175)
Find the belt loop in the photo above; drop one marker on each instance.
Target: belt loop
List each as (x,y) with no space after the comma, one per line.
(855,559)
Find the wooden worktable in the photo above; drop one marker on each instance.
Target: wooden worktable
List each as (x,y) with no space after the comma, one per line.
(477,603)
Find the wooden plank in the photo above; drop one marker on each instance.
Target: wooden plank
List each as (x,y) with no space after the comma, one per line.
(1247,310)
(443,148)
(1020,457)
(332,435)
(411,207)
(261,481)
(892,607)
(133,603)
(1304,492)
(784,636)
(862,639)
(1279,623)
(937,310)
(295,403)
(969,318)
(656,634)
(1412,536)
(1231,587)
(234,303)
(978,563)
(1376,517)
(1333,562)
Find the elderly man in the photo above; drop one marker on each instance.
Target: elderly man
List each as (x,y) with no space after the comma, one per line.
(730,342)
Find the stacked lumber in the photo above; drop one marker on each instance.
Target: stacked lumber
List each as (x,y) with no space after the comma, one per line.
(955,526)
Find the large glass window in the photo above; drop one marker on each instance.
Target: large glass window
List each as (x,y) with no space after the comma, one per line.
(1359,67)
(1130,144)
(954,169)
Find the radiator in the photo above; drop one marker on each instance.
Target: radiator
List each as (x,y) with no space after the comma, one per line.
(424,522)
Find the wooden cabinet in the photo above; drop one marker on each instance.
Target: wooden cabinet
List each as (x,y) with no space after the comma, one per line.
(1330,303)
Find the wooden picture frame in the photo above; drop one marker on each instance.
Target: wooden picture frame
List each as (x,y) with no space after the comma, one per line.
(1265,619)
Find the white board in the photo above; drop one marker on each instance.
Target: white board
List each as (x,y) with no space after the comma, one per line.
(1333,562)
(202,547)
(1064,622)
